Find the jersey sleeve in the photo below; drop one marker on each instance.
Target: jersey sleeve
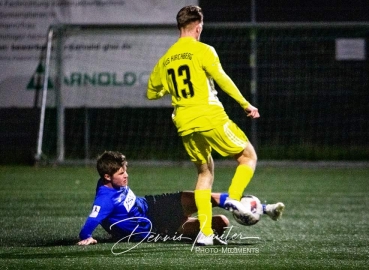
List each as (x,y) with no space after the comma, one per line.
(155,88)
(214,68)
(100,210)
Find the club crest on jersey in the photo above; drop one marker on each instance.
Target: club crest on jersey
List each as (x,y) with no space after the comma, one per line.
(130,200)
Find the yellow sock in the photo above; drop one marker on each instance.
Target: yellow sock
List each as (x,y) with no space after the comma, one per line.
(240,181)
(204,210)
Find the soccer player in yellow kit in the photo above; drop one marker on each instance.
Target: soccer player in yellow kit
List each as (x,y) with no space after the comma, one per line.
(186,72)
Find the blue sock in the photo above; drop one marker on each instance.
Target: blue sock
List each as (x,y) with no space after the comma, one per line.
(264,208)
(222,199)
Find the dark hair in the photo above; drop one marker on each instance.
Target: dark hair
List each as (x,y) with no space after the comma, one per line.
(110,162)
(189,14)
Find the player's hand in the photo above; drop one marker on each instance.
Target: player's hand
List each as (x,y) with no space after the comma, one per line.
(252,111)
(87,241)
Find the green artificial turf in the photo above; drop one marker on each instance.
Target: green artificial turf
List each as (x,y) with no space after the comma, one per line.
(325,224)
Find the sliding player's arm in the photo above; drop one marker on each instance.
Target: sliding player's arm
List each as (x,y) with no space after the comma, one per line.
(155,88)
(86,232)
(101,209)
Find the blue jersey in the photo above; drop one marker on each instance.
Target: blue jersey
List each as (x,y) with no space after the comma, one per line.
(120,207)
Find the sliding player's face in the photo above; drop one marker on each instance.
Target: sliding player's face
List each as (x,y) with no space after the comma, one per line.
(120,178)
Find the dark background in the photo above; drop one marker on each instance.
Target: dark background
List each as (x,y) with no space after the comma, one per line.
(19,127)
(286,10)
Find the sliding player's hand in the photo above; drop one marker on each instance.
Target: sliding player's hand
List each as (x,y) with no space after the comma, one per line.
(87,241)
(252,111)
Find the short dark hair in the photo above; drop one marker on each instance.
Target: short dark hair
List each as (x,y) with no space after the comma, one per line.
(189,14)
(110,162)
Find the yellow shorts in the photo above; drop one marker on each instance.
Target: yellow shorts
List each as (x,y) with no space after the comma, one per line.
(227,140)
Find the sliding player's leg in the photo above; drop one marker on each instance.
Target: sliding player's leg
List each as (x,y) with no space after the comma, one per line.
(189,204)
(190,228)
(274,211)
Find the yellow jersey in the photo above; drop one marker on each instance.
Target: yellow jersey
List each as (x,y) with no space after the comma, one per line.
(186,71)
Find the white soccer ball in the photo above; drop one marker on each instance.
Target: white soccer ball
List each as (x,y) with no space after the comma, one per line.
(253,205)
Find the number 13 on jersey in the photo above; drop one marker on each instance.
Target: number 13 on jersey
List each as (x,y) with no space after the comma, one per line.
(182,77)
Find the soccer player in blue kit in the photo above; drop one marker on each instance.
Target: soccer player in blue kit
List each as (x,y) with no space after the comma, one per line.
(121,213)
(124,215)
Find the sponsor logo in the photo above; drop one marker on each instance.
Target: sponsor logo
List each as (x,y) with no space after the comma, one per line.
(95,211)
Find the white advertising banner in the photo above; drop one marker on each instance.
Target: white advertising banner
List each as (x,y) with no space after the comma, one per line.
(111,68)
(102,69)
